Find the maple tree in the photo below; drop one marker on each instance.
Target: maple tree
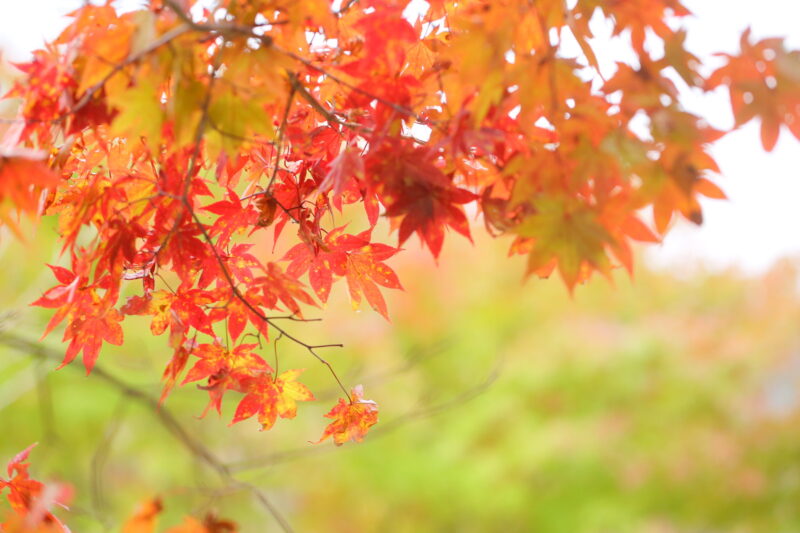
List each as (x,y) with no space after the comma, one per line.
(180,145)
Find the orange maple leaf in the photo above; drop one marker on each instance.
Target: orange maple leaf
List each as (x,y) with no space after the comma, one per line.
(762,83)
(273,397)
(144,520)
(146,516)
(23,176)
(351,420)
(31,499)
(224,369)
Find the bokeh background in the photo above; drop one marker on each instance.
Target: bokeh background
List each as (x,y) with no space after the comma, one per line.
(665,403)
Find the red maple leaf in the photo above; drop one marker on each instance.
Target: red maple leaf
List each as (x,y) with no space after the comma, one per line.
(174,368)
(91,319)
(233,217)
(225,370)
(87,335)
(350,256)
(347,165)
(414,189)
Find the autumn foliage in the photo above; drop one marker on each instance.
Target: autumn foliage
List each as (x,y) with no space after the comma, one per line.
(31,500)
(182,147)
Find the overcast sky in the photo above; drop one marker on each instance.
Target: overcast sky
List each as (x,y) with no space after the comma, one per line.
(758,225)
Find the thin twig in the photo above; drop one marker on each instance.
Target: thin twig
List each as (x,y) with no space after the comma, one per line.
(396,107)
(100,457)
(241,297)
(347,5)
(385,428)
(329,116)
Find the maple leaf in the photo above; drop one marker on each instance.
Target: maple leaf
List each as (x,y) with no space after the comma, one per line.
(141,115)
(106,40)
(119,248)
(241,263)
(276,286)
(178,243)
(174,368)
(640,15)
(30,499)
(145,517)
(351,256)
(23,177)
(428,211)
(61,294)
(235,118)
(762,81)
(233,217)
(225,370)
(22,489)
(209,525)
(351,420)
(157,303)
(91,319)
(347,165)
(87,334)
(684,62)
(417,191)
(180,310)
(23,524)
(270,398)
(48,78)
(569,235)
(237,314)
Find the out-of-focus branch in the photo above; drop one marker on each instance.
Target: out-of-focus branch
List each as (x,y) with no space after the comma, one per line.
(165,417)
(382,429)
(45,401)
(99,459)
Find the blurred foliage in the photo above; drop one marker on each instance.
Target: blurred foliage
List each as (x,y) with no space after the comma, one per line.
(666,404)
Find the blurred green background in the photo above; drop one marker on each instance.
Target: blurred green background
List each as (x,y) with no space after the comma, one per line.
(663,404)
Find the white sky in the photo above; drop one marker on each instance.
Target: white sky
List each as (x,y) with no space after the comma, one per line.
(758,225)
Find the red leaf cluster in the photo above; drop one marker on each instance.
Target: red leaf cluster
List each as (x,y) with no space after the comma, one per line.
(212,158)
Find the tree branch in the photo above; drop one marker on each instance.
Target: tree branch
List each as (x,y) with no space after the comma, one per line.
(385,428)
(253,309)
(167,419)
(329,116)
